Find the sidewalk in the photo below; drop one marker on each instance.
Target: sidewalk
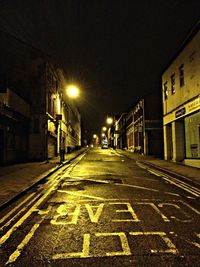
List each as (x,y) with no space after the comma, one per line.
(177,169)
(15,179)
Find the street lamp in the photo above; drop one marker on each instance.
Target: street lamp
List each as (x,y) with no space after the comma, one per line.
(72,91)
(111,130)
(109,120)
(95,139)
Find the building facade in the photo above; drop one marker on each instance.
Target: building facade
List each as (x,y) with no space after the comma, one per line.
(37,119)
(181,104)
(144,126)
(120,132)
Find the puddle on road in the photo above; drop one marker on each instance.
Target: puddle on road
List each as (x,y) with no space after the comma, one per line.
(77,185)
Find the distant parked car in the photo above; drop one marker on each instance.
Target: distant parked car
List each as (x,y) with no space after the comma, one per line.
(104,146)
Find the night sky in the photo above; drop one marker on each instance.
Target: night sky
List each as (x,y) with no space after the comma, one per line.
(115,50)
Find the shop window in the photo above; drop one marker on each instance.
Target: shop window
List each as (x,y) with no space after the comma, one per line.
(173,84)
(192,136)
(165,91)
(181,75)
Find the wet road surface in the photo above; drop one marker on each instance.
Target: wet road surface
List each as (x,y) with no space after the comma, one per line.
(102,210)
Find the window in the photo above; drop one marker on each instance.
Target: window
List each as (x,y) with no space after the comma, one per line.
(165,91)
(192,136)
(173,84)
(181,75)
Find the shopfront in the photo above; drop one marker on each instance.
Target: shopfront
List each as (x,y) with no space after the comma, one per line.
(182,134)
(192,136)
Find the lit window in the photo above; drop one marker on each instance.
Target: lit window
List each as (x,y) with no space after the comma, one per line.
(165,91)
(181,75)
(173,84)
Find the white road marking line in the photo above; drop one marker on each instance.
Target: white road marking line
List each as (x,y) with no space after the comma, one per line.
(136,186)
(189,206)
(93,200)
(129,210)
(79,194)
(94,217)
(124,243)
(172,194)
(151,171)
(61,212)
(181,184)
(171,247)
(83,254)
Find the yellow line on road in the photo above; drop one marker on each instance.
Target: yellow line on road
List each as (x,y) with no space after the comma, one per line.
(21,210)
(16,208)
(21,246)
(136,186)
(26,215)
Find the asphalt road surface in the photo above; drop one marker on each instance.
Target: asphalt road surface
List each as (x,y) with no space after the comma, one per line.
(103,209)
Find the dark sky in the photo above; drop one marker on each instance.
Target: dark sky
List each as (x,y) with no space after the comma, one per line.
(114,49)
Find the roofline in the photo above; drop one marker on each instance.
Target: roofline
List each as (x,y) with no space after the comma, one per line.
(193,31)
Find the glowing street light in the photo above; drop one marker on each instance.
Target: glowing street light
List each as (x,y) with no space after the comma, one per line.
(94,136)
(72,91)
(104,128)
(109,120)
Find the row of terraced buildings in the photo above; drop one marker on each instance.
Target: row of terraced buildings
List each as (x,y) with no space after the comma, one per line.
(168,124)
(37,119)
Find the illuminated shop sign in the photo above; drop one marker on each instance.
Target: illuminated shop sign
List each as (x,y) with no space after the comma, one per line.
(180,112)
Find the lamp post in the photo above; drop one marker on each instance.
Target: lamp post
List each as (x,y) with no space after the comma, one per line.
(72,92)
(110,122)
(95,139)
(104,135)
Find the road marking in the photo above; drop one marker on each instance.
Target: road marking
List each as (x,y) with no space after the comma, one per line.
(172,194)
(179,209)
(83,254)
(195,243)
(80,195)
(62,211)
(93,200)
(165,219)
(124,243)
(27,214)
(181,184)
(130,210)
(136,186)
(94,217)
(171,247)
(69,213)
(189,206)
(123,240)
(13,257)
(16,208)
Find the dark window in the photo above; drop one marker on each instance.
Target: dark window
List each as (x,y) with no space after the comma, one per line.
(181,75)
(173,84)
(165,90)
